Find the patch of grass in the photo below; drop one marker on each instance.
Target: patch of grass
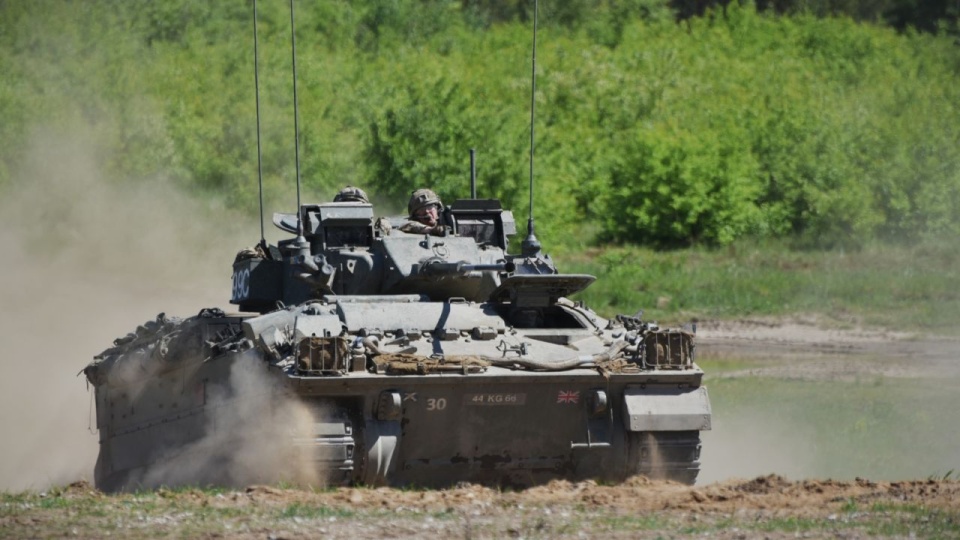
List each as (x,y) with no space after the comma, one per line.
(306,511)
(883,520)
(912,521)
(941,477)
(9,499)
(146,515)
(443,515)
(710,526)
(849,506)
(795,525)
(48,503)
(641,522)
(914,287)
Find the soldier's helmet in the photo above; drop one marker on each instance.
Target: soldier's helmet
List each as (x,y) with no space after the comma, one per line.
(351,194)
(422,198)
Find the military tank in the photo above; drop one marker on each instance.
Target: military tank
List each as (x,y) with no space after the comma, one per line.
(408,351)
(423,359)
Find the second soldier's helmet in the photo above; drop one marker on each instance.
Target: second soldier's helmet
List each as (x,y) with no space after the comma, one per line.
(351,194)
(422,198)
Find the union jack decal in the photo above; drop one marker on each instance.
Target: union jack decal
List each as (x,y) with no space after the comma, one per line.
(568,396)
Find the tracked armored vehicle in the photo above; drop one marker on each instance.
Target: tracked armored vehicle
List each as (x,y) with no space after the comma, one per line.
(366,354)
(420,360)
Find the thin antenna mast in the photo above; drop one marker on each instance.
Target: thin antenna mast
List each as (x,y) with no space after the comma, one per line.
(256,85)
(530,247)
(296,120)
(473,173)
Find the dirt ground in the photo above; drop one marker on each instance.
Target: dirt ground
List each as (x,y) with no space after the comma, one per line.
(764,507)
(809,348)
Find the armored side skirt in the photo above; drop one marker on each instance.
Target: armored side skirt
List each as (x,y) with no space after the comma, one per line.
(499,427)
(514,428)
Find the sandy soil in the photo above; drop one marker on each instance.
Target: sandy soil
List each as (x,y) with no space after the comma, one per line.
(769,495)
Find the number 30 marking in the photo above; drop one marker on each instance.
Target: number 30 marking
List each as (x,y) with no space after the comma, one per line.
(436,404)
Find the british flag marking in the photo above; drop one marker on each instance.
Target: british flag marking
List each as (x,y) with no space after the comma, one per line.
(568,396)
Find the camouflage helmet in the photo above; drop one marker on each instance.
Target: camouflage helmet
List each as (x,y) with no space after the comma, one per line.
(422,198)
(351,194)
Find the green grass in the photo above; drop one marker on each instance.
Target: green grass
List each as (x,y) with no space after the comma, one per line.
(307,511)
(914,521)
(886,521)
(913,287)
(795,525)
(199,513)
(639,522)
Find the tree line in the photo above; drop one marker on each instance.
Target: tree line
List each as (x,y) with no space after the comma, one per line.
(922,15)
(762,120)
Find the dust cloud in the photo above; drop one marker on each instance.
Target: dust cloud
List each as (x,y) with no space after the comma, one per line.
(86,258)
(812,402)
(754,444)
(247,418)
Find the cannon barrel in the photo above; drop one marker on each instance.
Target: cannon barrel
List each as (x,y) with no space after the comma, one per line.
(442,268)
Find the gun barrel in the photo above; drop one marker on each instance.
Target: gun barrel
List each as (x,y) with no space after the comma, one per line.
(494,267)
(436,268)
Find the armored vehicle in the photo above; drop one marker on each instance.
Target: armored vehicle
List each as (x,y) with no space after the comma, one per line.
(417,359)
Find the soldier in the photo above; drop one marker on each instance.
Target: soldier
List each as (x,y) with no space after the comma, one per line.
(351,194)
(424,207)
(355,194)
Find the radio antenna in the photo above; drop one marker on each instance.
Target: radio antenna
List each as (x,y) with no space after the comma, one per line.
(530,247)
(296,122)
(256,85)
(473,173)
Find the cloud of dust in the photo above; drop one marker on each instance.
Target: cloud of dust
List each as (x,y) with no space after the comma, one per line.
(86,259)
(755,444)
(833,403)
(249,436)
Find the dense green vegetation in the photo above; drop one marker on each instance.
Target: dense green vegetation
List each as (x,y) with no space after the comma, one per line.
(738,124)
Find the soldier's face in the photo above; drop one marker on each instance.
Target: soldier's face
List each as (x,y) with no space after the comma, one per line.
(428,216)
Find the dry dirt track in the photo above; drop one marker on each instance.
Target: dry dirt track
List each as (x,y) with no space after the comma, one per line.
(757,499)
(765,507)
(805,348)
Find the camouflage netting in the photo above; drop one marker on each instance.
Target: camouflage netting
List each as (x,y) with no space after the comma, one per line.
(612,360)
(155,345)
(411,364)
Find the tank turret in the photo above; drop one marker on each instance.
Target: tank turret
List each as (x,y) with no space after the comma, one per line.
(353,253)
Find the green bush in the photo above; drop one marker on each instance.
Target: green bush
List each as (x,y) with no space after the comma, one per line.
(676,189)
(423,137)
